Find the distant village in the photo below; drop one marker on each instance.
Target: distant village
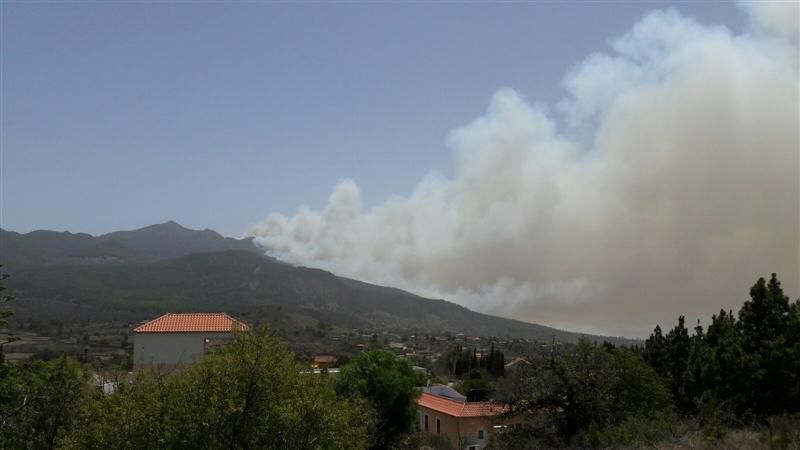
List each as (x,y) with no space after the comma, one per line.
(173,340)
(111,343)
(177,339)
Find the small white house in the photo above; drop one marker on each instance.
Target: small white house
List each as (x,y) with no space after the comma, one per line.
(176,339)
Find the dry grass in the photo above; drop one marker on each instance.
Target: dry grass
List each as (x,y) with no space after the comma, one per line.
(784,435)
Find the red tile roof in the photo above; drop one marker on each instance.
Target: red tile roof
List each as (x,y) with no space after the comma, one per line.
(458,409)
(192,323)
(482,409)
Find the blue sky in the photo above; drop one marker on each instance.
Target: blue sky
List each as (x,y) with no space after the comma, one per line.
(116,116)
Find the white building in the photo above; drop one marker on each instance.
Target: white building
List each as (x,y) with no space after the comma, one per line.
(177,339)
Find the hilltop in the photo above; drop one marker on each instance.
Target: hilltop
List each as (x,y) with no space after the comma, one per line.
(155,242)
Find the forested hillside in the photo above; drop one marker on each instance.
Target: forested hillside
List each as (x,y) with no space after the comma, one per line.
(245,283)
(133,275)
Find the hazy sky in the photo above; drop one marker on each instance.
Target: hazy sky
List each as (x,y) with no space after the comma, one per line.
(116,116)
(592,166)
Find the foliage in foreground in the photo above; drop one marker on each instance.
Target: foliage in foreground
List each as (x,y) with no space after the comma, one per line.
(41,402)
(734,385)
(249,394)
(582,395)
(388,383)
(747,368)
(740,374)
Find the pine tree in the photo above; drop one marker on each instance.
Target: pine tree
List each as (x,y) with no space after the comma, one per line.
(655,352)
(695,378)
(766,325)
(724,371)
(499,364)
(678,346)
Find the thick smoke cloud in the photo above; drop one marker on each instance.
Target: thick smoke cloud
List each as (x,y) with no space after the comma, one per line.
(664,182)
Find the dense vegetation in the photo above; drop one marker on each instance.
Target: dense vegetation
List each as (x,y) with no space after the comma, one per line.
(249,394)
(585,395)
(741,374)
(747,368)
(388,384)
(459,361)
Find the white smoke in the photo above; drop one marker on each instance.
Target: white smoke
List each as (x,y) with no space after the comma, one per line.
(664,182)
(778,16)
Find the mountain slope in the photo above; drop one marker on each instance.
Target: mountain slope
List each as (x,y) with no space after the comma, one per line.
(38,247)
(242,282)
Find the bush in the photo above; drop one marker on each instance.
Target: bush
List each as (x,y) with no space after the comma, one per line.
(248,394)
(388,384)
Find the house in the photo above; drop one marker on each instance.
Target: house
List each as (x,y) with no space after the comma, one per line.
(176,339)
(323,362)
(465,425)
(517,363)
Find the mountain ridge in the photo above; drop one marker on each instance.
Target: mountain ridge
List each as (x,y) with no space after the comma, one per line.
(128,276)
(150,243)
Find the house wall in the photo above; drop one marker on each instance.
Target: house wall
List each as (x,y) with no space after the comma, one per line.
(468,431)
(170,349)
(462,432)
(449,425)
(324,363)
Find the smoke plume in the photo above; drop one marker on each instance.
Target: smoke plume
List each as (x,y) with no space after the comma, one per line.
(664,182)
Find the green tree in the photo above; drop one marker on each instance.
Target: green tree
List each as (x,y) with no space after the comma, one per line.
(793,356)
(582,385)
(248,394)
(4,313)
(678,344)
(637,390)
(655,352)
(768,326)
(749,366)
(571,385)
(387,383)
(493,362)
(720,370)
(41,403)
(40,400)
(476,387)
(696,376)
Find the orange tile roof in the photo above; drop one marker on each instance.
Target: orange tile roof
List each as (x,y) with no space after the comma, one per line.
(458,409)
(192,323)
(482,409)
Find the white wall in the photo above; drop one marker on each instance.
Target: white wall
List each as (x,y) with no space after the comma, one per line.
(169,349)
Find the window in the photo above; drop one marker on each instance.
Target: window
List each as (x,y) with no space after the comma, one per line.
(426,422)
(438,426)
(480,433)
